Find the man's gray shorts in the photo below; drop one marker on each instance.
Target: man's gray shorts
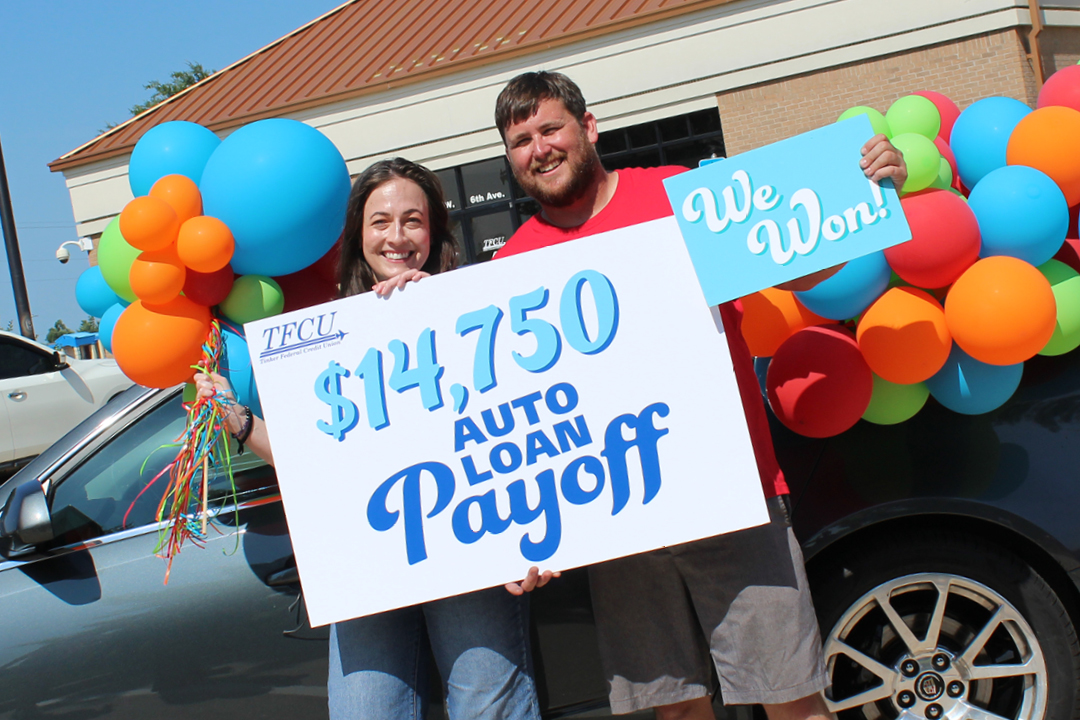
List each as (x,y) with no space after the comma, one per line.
(743,597)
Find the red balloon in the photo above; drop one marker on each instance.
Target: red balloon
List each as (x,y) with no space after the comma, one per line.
(947,153)
(1062,88)
(818,383)
(327,265)
(948,111)
(306,288)
(944,239)
(209,288)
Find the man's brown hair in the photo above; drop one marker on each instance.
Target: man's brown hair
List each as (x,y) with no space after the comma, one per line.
(521,98)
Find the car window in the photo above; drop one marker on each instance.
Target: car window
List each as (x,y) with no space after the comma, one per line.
(121,485)
(18,360)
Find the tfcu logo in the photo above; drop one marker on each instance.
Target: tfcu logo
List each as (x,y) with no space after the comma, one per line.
(309,332)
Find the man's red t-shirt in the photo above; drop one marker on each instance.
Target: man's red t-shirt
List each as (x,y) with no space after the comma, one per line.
(640,197)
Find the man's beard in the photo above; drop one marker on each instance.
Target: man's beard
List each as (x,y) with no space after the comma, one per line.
(581,178)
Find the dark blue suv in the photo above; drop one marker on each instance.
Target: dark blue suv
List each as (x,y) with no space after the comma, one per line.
(944,555)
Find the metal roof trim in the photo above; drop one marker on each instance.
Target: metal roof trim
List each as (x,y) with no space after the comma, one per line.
(85,153)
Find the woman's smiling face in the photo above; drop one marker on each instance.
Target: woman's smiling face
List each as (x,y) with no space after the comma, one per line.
(397,233)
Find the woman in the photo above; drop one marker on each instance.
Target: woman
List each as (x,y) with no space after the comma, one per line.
(396,232)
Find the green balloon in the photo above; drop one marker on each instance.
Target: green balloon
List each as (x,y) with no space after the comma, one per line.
(115,257)
(191,393)
(923,160)
(891,403)
(944,177)
(1065,283)
(914,114)
(877,120)
(253,297)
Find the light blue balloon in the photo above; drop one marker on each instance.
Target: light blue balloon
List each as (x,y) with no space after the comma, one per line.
(850,291)
(980,136)
(94,294)
(108,322)
(970,387)
(236,368)
(1022,213)
(172,148)
(281,186)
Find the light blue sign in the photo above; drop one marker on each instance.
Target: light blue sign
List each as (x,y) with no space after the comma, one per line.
(784,211)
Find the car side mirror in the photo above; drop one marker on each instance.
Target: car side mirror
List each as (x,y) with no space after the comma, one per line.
(25,520)
(60,360)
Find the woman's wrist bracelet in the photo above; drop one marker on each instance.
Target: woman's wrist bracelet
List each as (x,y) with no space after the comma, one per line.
(241,436)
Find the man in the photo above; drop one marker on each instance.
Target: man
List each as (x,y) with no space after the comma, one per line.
(743,597)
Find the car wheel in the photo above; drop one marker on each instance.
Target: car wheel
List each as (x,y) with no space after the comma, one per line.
(943,626)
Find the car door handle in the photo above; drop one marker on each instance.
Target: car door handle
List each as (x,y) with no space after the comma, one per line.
(17,395)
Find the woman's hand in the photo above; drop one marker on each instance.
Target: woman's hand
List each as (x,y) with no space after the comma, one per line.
(533,580)
(206,385)
(384,288)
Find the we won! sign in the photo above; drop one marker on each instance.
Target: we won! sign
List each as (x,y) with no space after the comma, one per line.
(784,211)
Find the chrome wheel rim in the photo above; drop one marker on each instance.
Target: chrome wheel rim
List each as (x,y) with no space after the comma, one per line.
(935,646)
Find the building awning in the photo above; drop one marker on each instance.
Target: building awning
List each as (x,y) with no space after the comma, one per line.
(76,339)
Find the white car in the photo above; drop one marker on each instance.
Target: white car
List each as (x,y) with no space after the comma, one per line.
(43,394)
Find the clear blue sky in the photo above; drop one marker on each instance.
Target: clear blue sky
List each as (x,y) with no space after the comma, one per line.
(69,67)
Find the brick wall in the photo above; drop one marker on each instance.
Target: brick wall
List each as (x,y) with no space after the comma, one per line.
(965,70)
(1059,46)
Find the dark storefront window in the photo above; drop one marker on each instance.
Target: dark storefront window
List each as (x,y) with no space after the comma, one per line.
(486,205)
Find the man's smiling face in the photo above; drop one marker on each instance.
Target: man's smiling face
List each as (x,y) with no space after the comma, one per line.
(552,154)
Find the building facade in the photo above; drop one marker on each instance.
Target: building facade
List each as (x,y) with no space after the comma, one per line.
(670,81)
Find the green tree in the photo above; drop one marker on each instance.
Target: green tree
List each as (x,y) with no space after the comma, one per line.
(56,331)
(180,80)
(90,324)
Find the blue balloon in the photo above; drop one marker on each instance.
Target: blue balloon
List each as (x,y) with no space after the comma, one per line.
(94,294)
(236,368)
(281,186)
(171,148)
(1022,213)
(980,136)
(850,291)
(970,387)
(108,322)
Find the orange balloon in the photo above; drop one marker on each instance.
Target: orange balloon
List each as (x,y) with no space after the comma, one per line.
(149,223)
(205,244)
(903,336)
(156,345)
(157,276)
(772,316)
(181,193)
(1048,139)
(1001,311)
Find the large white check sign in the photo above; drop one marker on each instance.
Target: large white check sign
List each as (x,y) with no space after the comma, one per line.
(559,408)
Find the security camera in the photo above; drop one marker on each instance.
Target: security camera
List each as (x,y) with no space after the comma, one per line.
(63,255)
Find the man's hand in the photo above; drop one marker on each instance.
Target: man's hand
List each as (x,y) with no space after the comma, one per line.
(384,288)
(808,282)
(533,580)
(882,160)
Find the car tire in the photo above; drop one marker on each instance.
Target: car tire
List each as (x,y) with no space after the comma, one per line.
(893,648)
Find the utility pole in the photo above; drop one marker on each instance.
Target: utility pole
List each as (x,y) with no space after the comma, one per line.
(14,257)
